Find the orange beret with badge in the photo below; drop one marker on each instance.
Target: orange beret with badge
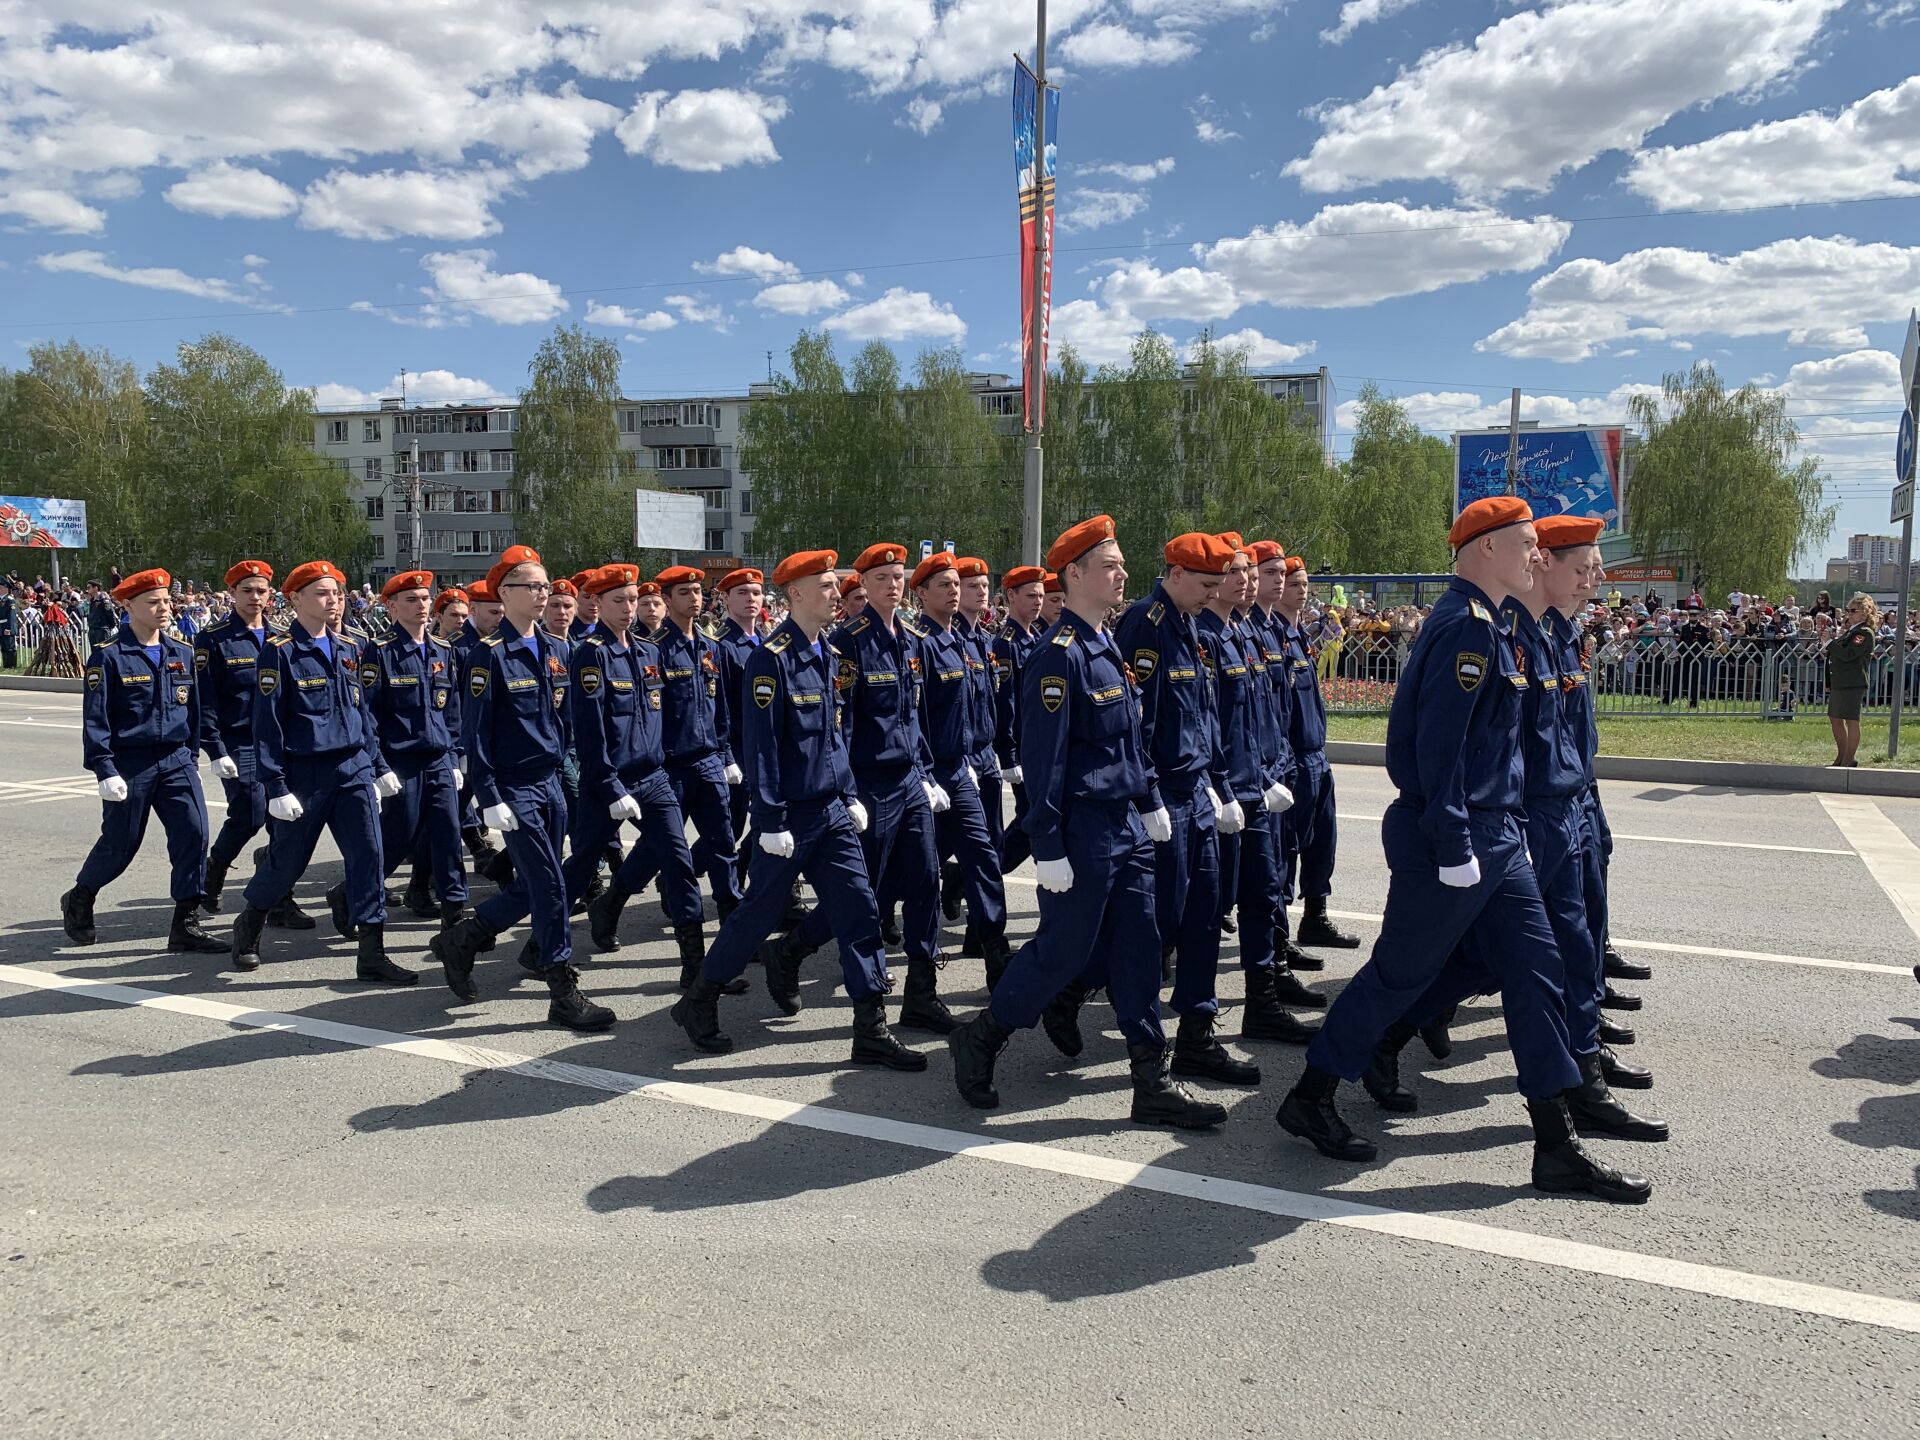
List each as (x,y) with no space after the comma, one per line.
(249,570)
(452,595)
(1052,585)
(932,566)
(874,556)
(407,580)
(1264,550)
(679,575)
(971,567)
(481,592)
(1023,575)
(1074,544)
(511,559)
(1483,517)
(1232,537)
(851,581)
(610,577)
(302,576)
(140,583)
(580,580)
(567,588)
(1203,554)
(1566,532)
(745,576)
(1295,562)
(803,563)
(648,587)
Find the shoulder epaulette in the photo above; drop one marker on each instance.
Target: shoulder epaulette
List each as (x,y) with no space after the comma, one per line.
(1064,637)
(448,644)
(593,639)
(778,643)
(913,628)
(1009,631)
(858,623)
(1154,612)
(279,639)
(656,636)
(1479,611)
(493,639)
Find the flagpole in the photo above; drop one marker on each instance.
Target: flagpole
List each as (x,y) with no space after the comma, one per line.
(1036,361)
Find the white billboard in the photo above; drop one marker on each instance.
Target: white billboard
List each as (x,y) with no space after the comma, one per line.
(665,520)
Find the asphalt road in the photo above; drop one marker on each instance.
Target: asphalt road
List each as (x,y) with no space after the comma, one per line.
(283,1203)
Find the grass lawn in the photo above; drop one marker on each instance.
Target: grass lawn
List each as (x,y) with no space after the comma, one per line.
(1805,740)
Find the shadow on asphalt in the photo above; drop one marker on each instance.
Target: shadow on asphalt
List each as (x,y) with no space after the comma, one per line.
(1884,1122)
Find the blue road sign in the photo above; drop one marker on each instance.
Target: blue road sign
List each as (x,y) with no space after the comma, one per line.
(1903,451)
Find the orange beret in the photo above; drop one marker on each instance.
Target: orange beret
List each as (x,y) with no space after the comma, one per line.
(407,580)
(249,570)
(567,588)
(1052,585)
(971,567)
(580,580)
(610,577)
(302,576)
(679,575)
(519,555)
(874,556)
(1076,542)
(140,583)
(1295,562)
(1232,537)
(1265,550)
(648,587)
(452,595)
(747,576)
(801,564)
(1563,532)
(1483,517)
(853,580)
(932,566)
(1206,554)
(1023,575)
(481,592)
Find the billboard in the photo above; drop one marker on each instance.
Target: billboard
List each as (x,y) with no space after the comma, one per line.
(667,520)
(1562,472)
(36,523)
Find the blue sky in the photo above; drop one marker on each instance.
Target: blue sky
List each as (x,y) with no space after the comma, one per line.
(1451,198)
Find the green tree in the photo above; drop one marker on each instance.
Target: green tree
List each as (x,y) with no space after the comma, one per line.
(573,484)
(965,479)
(1395,500)
(1718,484)
(1135,446)
(795,443)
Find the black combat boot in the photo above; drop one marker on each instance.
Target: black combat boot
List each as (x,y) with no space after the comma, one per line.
(874,1043)
(975,1046)
(1290,989)
(1061,1020)
(1317,929)
(244,946)
(1285,949)
(418,898)
(1169,955)
(1436,1035)
(186,937)
(970,944)
(1623,1073)
(480,847)
(76,915)
(998,954)
(1382,1077)
(921,1007)
(1159,1099)
(1612,1032)
(288,915)
(568,1008)
(1264,1018)
(952,893)
(457,949)
(698,1013)
(499,869)
(1596,1111)
(1308,1112)
(341,912)
(452,912)
(890,928)
(603,920)
(211,887)
(1562,1165)
(1228,925)
(1196,1052)
(1612,999)
(692,940)
(1618,967)
(529,958)
(796,910)
(373,964)
(782,957)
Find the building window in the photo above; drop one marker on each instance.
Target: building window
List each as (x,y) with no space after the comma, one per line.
(379,547)
(1008,404)
(336,432)
(370,431)
(502,462)
(716,539)
(629,421)
(506,420)
(469,462)
(746,502)
(376,507)
(438,502)
(376,468)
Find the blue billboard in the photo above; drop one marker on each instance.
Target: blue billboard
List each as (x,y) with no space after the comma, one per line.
(1562,472)
(36,523)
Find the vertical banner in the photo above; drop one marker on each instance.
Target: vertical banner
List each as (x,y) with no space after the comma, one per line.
(1034,211)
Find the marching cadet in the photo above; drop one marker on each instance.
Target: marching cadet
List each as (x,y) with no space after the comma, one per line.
(807,818)
(226,662)
(483,618)
(483,613)
(953,713)
(586,612)
(1025,589)
(1053,601)
(853,596)
(653,609)
(141,719)
(450,613)
(700,759)
(1312,832)
(513,729)
(1094,822)
(1459,868)
(742,593)
(319,758)
(619,693)
(557,617)
(411,680)
(880,677)
(449,617)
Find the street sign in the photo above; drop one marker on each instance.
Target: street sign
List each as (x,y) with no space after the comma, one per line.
(1903,452)
(1910,355)
(1902,502)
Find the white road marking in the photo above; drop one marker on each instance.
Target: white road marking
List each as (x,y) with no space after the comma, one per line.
(1741,1286)
(1679,840)
(1890,857)
(40,725)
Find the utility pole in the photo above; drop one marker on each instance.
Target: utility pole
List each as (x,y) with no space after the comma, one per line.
(1513,444)
(413,504)
(1907,454)
(1036,360)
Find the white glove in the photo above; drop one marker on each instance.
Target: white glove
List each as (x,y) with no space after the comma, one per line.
(735,775)
(1213,799)
(973,777)
(937,797)
(226,769)
(501,818)
(777,843)
(858,814)
(625,808)
(1232,819)
(1462,877)
(1159,825)
(286,808)
(387,785)
(1054,875)
(113,789)
(1278,798)
(1013,775)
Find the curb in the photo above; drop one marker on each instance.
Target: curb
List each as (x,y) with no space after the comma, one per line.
(1726,774)
(49,684)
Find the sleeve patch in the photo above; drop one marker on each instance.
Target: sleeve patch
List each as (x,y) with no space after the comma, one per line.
(269,680)
(764,688)
(95,677)
(199,659)
(1144,663)
(477,682)
(590,680)
(370,674)
(1053,692)
(1469,670)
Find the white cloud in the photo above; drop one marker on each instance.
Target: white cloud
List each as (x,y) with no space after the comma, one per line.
(1106,46)
(231,191)
(695,310)
(422,387)
(543,133)
(703,130)
(92,262)
(1090,209)
(615,317)
(1261,352)
(745,260)
(465,281)
(255,262)
(1542,92)
(1871,147)
(52,210)
(1131,174)
(1443,411)
(802,297)
(900,314)
(1099,334)
(1814,291)
(923,115)
(1206,122)
(1356,13)
(379,206)
(1844,406)
(1142,289)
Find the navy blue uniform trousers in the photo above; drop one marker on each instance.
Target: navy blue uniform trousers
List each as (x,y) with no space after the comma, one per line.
(1186,881)
(335,793)
(1248,880)
(170,788)
(661,849)
(962,832)
(539,889)
(707,800)
(423,822)
(246,809)
(1313,833)
(901,860)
